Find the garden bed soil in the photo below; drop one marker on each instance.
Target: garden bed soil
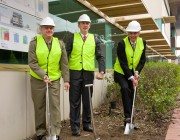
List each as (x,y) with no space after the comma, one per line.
(109,126)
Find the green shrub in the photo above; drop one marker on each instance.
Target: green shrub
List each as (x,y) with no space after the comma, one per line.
(113,89)
(158,88)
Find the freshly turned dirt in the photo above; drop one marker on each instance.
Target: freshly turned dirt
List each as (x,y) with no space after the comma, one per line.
(109,126)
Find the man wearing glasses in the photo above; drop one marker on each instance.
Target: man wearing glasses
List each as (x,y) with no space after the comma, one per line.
(129,63)
(48,62)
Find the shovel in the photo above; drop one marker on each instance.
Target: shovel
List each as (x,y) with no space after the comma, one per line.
(130,126)
(91,107)
(48,117)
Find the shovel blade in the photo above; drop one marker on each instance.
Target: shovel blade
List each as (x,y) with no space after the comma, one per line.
(51,137)
(131,127)
(127,129)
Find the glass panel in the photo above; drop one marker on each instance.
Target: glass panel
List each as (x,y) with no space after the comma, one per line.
(66,13)
(13,57)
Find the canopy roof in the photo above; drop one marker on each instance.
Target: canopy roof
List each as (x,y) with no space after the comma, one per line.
(121,12)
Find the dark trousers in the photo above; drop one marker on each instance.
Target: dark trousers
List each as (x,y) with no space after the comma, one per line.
(78,91)
(127,92)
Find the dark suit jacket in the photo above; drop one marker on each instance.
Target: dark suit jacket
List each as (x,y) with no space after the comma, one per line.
(121,54)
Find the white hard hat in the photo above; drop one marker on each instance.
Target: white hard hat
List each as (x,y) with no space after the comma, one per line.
(133,26)
(47,21)
(84,17)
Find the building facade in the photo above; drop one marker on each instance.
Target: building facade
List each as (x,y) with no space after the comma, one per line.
(109,20)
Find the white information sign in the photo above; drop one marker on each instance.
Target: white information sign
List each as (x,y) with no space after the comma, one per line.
(15,29)
(19,22)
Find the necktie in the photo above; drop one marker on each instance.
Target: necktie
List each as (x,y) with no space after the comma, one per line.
(84,38)
(133,46)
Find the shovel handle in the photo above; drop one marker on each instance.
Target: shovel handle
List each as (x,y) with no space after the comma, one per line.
(89,85)
(48,115)
(91,108)
(132,113)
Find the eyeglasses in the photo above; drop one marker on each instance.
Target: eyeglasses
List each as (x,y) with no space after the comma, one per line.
(48,27)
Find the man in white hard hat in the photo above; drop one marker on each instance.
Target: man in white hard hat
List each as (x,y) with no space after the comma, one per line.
(48,62)
(82,49)
(129,63)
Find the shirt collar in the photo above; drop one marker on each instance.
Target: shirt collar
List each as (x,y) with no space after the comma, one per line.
(133,43)
(84,35)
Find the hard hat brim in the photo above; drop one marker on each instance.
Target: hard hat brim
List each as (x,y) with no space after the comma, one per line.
(129,30)
(84,21)
(47,25)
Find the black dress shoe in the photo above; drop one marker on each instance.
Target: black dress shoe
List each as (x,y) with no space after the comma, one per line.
(58,138)
(39,137)
(89,129)
(127,120)
(76,132)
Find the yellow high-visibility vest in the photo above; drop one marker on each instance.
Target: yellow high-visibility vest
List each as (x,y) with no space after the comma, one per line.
(133,56)
(48,60)
(83,53)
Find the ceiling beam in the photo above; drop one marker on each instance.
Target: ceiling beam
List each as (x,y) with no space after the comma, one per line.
(136,9)
(109,3)
(121,12)
(154,51)
(170,19)
(134,17)
(152,42)
(160,49)
(146,22)
(153,46)
(100,13)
